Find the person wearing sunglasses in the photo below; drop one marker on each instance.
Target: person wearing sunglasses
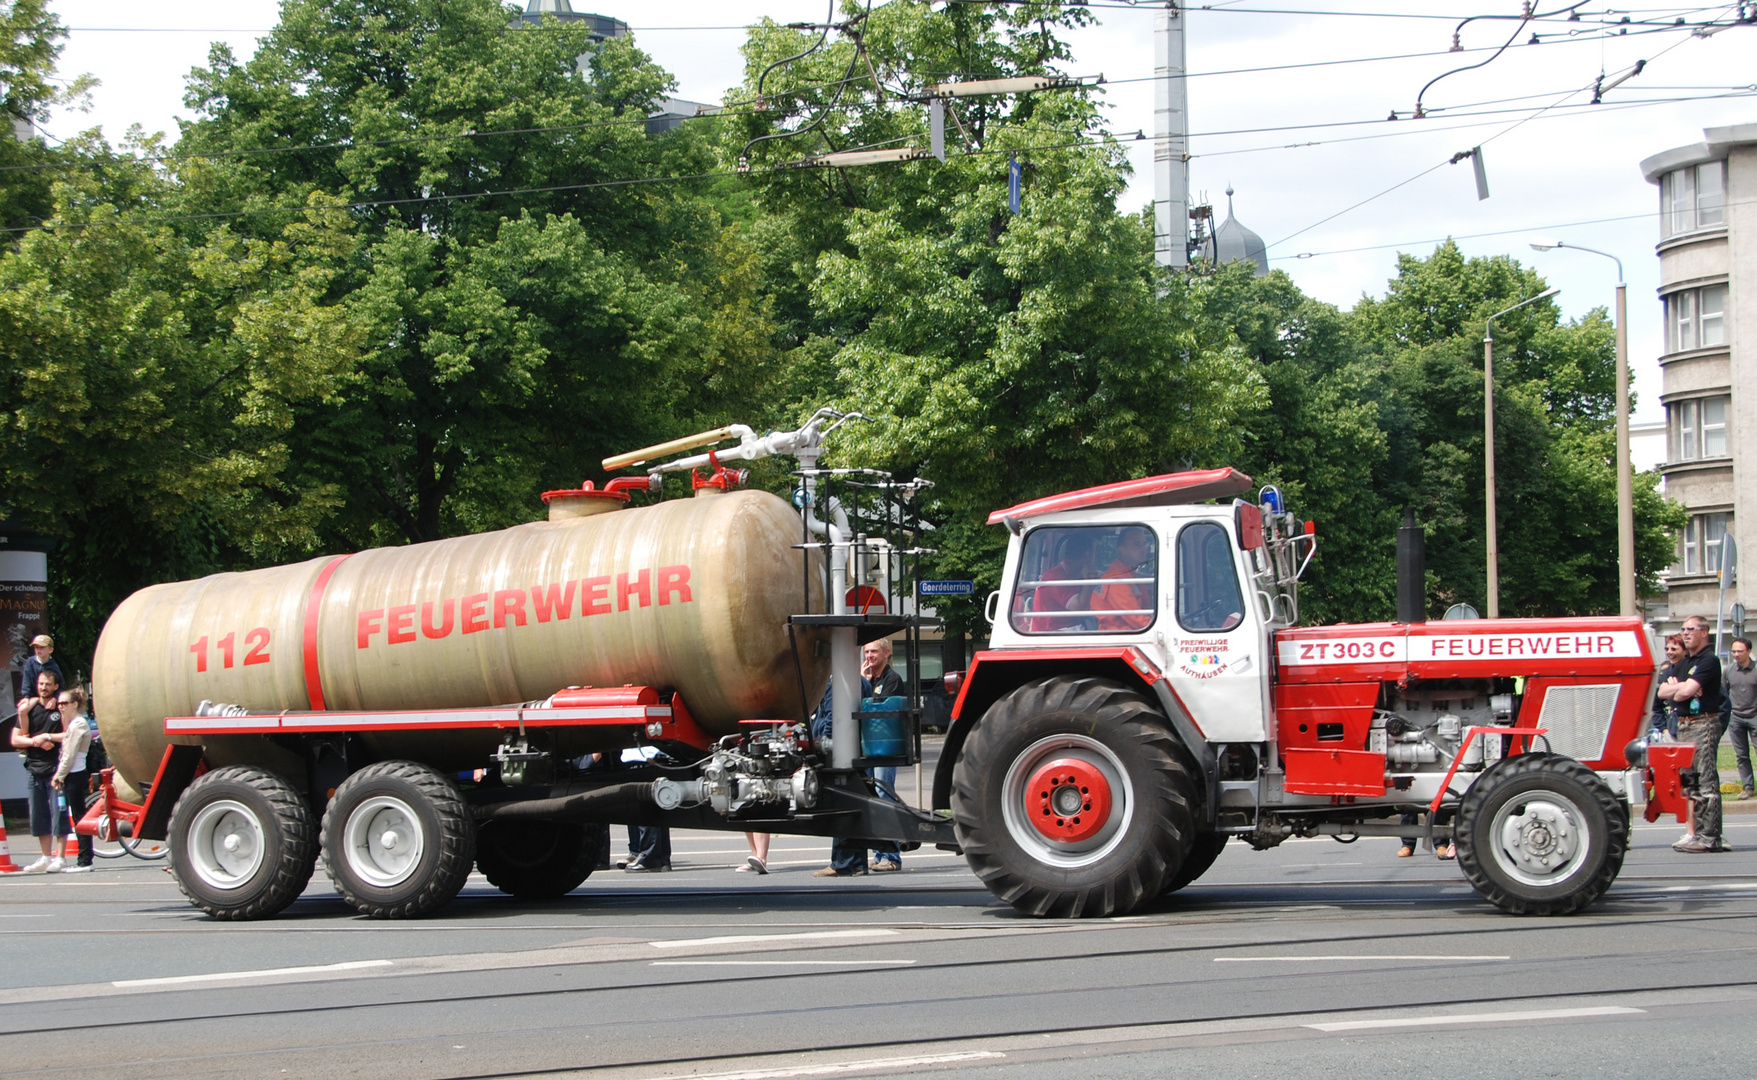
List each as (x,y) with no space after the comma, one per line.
(72,776)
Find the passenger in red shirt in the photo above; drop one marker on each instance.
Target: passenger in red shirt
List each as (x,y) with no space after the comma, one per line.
(1133,550)
(1075,565)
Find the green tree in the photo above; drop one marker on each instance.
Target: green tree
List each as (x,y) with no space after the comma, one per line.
(1003,356)
(533,287)
(1379,411)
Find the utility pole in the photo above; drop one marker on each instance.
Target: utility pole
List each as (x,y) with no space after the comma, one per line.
(1171,149)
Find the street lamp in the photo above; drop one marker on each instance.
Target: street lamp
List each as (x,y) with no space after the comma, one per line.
(1625,483)
(1488,439)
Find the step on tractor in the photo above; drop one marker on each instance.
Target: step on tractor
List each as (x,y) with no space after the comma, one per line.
(495,702)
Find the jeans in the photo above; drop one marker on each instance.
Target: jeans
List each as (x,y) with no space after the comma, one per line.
(1742,734)
(649,845)
(44,820)
(849,856)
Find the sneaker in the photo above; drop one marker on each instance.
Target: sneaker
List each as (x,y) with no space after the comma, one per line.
(638,867)
(1746,794)
(1694,847)
(1405,851)
(1687,838)
(1720,846)
(77,870)
(830,871)
(40,866)
(54,866)
(755,865)
(886,866)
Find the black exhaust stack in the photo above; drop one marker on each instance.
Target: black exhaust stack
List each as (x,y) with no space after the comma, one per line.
(1412,572)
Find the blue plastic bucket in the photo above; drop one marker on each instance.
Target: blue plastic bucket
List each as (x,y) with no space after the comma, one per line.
(882,735)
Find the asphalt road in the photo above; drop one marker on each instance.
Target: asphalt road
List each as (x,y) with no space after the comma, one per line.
(1315,959)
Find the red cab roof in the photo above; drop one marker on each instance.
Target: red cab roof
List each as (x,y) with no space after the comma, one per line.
(1172,489)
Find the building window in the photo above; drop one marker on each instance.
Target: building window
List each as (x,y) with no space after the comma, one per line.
(1693,198)
(1698,429)
(1702,536)
(1695,319)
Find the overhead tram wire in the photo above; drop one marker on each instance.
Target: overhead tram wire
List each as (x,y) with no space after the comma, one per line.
(744,108)
(1456,157)
(1742,92)
(1526,230)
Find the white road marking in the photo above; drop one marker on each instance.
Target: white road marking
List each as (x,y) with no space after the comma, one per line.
(744,939)
(1476,1018)
(1404,956)
(773,963)
(836,1068)
(265,973)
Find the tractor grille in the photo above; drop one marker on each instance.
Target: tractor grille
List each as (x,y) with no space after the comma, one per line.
(1579,718)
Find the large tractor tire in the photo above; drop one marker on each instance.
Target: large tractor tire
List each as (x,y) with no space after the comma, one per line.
(1203,853)
(1541,834)
(398,840)
(1070,799)
(538,860)
(243,843)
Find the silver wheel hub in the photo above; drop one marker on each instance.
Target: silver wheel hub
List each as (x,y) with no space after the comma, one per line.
(226,844)
(1540,840)
(383,841)
(1017,801)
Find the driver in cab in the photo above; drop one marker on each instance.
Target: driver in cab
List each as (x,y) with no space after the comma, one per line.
(1132,603)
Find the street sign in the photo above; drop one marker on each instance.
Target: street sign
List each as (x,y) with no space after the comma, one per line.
(948,588)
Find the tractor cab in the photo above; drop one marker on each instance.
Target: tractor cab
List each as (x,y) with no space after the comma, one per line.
(1195,589)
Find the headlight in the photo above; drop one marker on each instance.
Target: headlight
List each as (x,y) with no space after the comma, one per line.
(1636,753)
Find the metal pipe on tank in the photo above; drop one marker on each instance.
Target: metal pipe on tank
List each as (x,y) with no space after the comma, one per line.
(844,644)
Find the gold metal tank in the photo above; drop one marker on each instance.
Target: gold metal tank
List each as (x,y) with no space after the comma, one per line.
(689,594)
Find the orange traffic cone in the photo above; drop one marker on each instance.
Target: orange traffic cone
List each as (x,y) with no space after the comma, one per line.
(7,866)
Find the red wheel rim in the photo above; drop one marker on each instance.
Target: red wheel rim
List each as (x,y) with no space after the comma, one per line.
(1068,800)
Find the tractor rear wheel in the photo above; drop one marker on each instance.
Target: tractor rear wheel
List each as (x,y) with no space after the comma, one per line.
(1541,834)
(243,843)
(398,840)
(1070,799)
(538,860)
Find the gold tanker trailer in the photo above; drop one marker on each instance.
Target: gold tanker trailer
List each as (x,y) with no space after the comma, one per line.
(243,710)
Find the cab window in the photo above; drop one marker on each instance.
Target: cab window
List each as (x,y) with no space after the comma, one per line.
(1208,596)
(1087,579)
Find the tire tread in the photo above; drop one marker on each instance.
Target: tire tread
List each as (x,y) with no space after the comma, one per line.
(295,853)
(1616,838)
(1170,806)
(456,839)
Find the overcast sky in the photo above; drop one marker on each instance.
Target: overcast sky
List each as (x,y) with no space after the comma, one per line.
(1560,174)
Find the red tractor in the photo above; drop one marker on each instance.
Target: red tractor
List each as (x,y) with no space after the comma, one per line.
(1148,694)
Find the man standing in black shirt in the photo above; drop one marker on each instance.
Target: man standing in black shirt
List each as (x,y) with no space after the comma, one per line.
(37,732)
(1696,690)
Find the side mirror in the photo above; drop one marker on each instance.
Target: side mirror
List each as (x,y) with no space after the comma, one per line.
(989,609)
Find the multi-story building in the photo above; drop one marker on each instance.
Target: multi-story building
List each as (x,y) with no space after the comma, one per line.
(1708,292)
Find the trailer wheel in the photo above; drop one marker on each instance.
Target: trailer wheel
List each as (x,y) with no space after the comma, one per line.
(537,860)
(243,843)
(1070,800)
(1203,853)
(398,840)
(1541,834)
